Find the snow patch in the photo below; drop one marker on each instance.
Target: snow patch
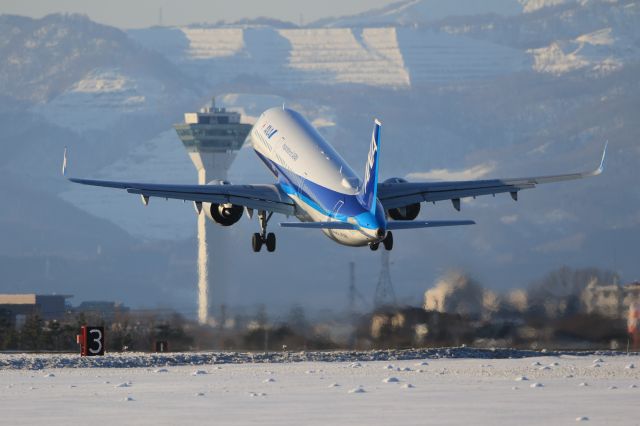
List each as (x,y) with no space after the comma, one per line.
(208,43)
(100,99)
(529,6)
(598,51)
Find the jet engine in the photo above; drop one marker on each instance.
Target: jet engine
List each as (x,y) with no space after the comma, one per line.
(409,212)
(223,214)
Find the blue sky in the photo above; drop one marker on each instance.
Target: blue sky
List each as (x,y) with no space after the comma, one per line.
(143,13)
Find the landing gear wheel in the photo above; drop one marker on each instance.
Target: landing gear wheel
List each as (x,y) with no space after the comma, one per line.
(256,242)
(271,242)
(388,241)
(374,246)
(260,238)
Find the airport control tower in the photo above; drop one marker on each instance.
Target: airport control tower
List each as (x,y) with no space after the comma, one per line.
(212,138)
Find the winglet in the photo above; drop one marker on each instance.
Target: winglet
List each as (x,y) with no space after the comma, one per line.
(369,190)
(64,162)
(604,154)
(600,168)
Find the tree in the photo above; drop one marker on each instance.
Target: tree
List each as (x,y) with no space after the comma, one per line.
(32,335)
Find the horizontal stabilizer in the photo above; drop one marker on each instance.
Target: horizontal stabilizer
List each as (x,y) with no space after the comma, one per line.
(398,225)
(319,225)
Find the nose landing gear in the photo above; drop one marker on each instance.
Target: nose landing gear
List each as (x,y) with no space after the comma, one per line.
(263,238)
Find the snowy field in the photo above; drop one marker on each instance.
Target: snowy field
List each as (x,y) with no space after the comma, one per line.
(221,389)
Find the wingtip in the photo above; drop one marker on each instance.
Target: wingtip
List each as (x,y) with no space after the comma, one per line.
(64,162)
(377,122)
(604,155)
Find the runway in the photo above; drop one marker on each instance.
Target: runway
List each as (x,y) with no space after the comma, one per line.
(541,390)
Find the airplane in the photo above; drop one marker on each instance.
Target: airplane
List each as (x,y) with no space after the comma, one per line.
(317,186)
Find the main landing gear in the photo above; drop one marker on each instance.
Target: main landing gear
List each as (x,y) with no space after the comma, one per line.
(387,243)
(268,239)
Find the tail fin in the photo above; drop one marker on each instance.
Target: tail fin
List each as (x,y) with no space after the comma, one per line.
(369,190)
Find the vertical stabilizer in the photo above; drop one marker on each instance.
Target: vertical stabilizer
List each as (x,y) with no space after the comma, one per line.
(369,190)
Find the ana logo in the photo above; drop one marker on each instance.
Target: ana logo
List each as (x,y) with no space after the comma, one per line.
(269,130)
(370,160)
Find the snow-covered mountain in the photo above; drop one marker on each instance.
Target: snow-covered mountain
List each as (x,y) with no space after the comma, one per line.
(406,45)
(415,12)
(44,57)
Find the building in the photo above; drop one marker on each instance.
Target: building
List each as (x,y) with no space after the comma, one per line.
(212,138)
(19,306)
(103,309)
(612,300)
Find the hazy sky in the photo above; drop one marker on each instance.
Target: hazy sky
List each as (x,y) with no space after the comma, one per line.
(143,13)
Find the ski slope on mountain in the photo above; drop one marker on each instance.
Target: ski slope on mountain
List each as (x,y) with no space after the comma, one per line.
(376,56)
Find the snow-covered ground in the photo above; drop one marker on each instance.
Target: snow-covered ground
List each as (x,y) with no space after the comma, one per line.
(540,390)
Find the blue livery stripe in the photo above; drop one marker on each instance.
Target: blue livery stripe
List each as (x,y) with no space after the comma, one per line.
(321,199)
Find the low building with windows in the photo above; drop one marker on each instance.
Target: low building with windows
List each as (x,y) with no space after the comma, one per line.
(17,307)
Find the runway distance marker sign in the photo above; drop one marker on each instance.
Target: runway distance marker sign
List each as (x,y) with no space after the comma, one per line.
(91,341)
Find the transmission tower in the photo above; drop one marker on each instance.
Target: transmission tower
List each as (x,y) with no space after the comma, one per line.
(353,291)
(385,296)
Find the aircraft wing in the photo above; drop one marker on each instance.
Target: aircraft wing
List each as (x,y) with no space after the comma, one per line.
(401,194)
(258,197)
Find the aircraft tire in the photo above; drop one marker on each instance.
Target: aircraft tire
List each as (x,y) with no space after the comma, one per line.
(256,242)
(374,246)
(271,242)
(388,241)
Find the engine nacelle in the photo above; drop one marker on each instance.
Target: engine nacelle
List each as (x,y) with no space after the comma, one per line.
(223,214)
(409,212)
(395,180)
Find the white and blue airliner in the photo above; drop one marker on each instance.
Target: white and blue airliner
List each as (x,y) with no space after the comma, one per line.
(319,188)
